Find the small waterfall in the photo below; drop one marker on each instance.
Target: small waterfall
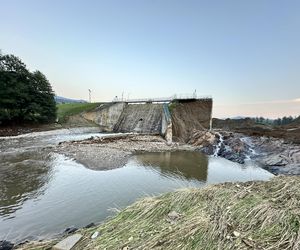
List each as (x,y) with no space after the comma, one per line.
(251,150)
(219,145)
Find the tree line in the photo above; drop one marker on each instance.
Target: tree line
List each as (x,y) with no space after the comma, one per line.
(25,97)
(277,122)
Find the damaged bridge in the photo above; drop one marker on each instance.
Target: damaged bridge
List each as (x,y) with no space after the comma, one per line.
(175,118)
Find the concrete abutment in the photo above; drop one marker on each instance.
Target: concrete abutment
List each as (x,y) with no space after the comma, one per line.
(175,121)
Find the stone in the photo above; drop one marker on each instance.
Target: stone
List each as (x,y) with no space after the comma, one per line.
(236,234)
(6,245)
(275,160)
(67,243)
(70,230)
(90,225)
(95,235)
(173,215)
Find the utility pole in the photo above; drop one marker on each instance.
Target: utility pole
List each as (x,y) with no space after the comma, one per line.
(122,95)
(90,96)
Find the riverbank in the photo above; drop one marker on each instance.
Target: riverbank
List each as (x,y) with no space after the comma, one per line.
(68,116)
(26,129)
(43,192)
(103,153)
(255,215)
(279,156)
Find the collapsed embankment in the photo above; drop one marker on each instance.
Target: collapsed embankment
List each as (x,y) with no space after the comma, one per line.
(188,116)
(252,215)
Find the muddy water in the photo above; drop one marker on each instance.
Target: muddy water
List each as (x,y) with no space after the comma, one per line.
(42,193)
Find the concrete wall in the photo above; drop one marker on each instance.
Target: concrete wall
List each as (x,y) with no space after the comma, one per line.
(106,116)
(166,123)
(140,118)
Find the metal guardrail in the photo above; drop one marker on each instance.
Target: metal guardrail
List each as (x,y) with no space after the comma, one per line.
(164,99)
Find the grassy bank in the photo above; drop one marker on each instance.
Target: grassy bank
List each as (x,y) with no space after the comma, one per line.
(253,215)
(66,110)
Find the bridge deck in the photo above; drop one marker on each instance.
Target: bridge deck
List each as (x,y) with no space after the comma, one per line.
(164,99)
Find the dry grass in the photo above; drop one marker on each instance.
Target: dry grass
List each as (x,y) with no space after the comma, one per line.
(253,215)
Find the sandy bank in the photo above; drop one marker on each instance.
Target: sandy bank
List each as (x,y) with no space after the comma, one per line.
(114,151)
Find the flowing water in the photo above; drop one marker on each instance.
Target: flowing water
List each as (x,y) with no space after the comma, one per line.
(42,193)
(219,145)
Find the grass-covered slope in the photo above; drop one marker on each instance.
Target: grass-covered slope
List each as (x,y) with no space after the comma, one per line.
(66,110)
(253,215)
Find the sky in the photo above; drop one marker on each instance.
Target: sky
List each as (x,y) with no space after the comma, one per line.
(245,54)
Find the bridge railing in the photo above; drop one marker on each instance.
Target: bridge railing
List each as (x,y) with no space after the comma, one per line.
(164,99)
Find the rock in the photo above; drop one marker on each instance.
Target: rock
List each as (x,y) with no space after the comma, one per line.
(236,234)
(209,149)
(90,225)
(275,160)
(173,216)
(130,239)
(70,230)
(67,243)
(6,245)
(95,235)
(202,138)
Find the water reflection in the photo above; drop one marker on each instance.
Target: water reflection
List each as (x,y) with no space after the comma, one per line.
(42,194)
(179,164)
(22,176)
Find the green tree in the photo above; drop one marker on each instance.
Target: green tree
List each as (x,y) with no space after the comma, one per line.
(43,97)
(24,96)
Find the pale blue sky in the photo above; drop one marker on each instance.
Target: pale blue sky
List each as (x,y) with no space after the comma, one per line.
(246,54)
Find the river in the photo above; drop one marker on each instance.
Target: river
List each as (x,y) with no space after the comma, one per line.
(42,192)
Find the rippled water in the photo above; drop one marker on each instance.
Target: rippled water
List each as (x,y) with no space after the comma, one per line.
(42,193)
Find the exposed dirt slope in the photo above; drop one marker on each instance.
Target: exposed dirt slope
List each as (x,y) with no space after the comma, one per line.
(290,133)
(231,124)
(188,117)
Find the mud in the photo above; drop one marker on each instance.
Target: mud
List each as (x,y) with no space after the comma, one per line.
(190,116)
